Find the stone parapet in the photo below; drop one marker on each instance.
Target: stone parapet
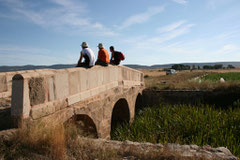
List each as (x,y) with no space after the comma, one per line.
(38,93)
(6,81)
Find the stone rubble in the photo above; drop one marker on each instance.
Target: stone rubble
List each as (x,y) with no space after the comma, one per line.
(138,150)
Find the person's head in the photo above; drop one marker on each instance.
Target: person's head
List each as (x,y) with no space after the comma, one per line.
(100,46)
(84,45)
(111,49)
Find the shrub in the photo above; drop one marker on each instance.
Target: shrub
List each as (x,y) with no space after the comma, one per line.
(146,76)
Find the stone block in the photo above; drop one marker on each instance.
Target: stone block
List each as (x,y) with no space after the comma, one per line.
(29,71)
(73,99)
(51,89)
(116,74)
(20,104)
(76,69)
(134,76)
(42,110)
(74,86)
(100,76)
(83,78)
(49,109)
(139,77)
(3,83)
(36,112)
(112,73)
(106,75)
(102,88)
(36,90)
(45,73)
(97,115)
(130,75)
(124,74)
(32,74)
(9,77)
(120,76)
(107,110)
(5,94)
(61,84)
(43,70)
(85,95)
(80,110)
(92,78)
(60,104)
(142,77)
(131,83)
(21,72)
(111,85)
(94,91)
(65,114)
(105,123)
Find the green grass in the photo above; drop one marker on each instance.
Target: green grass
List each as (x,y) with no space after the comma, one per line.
(200,125)
(231,76)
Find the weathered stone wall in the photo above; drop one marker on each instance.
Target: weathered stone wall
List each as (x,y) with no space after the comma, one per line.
(63,93)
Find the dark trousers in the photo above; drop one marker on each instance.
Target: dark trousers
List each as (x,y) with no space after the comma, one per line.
(115,62)
(85,64)
(101,63)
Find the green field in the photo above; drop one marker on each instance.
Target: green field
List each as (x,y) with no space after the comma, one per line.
(231,76)
(183,124)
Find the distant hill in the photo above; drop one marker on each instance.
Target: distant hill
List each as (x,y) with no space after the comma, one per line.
(225,64)
(31,67)
(135,66)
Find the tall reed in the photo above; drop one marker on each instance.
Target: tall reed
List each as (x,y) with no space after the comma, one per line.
(183,124)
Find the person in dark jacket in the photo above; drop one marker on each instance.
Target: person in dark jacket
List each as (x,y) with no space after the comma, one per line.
(115,58)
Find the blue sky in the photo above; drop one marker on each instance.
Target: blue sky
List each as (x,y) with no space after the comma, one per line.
(147,31)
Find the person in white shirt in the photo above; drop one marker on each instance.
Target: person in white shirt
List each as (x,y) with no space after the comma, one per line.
(88,55)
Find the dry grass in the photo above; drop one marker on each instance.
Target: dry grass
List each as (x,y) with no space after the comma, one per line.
(62,142)
(44,139)
(184,80)
(58,142)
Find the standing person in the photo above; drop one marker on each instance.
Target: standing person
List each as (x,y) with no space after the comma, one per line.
(116,56)
(88,56)
(103,56)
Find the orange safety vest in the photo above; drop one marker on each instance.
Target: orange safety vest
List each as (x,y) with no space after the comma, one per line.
(103,55)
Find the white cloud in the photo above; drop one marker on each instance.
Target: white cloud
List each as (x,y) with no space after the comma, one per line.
(180,1)
(229,48)
(213,4)
(170,27)
(166,33)
(64,15)
(142,17)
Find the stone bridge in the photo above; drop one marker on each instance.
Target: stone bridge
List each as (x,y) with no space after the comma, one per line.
(100,97)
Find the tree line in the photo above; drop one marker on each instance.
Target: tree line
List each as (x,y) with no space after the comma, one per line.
(187,67)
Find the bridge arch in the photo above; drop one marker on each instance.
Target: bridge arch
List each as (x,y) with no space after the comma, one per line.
(120,113)
(82,124)
(139,103)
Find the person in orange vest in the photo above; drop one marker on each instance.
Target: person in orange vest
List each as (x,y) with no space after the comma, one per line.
(103,56)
